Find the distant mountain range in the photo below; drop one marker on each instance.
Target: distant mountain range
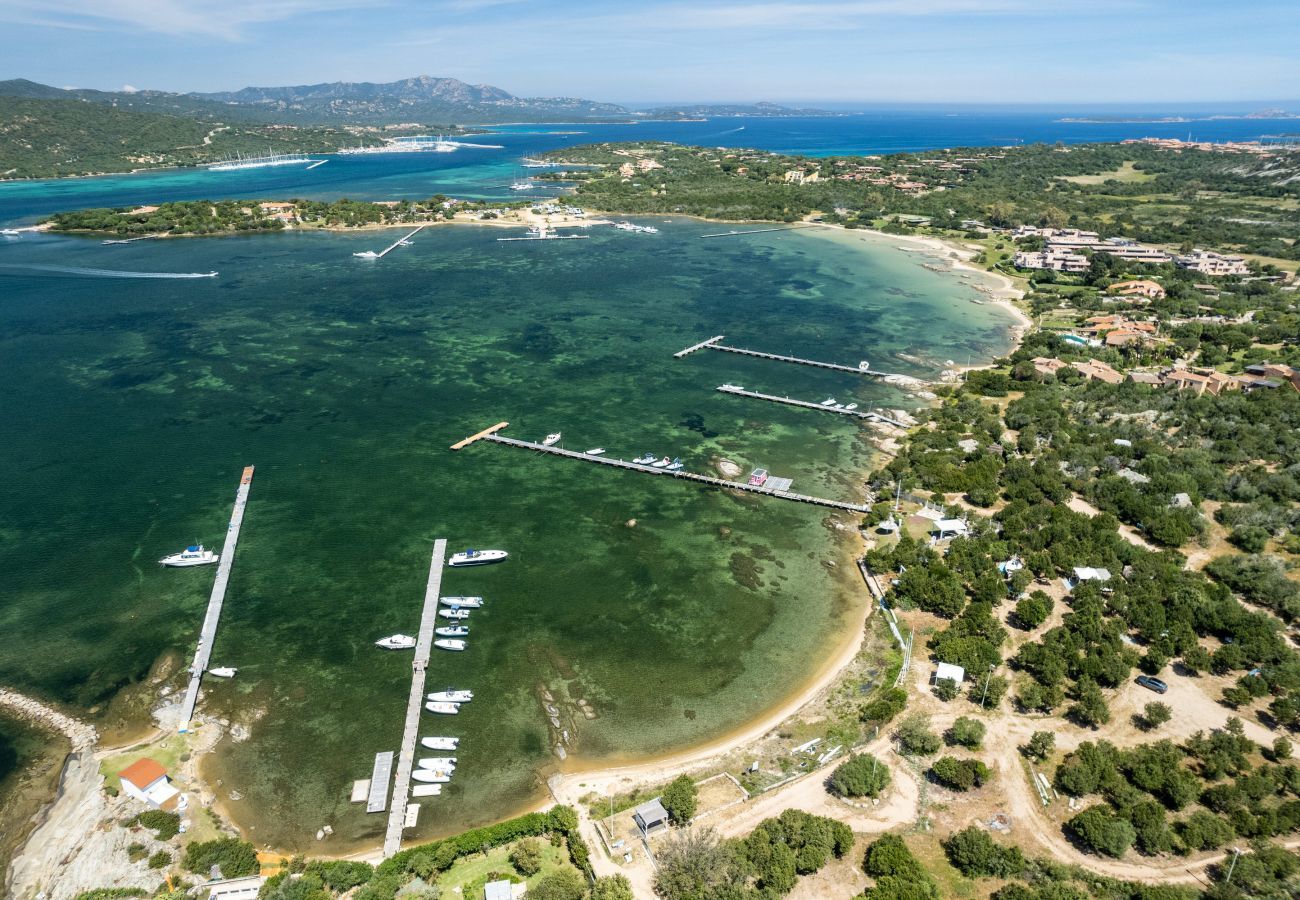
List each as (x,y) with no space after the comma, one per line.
(423,99)
(749,110)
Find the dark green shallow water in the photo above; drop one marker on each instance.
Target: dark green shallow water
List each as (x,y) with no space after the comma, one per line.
(131,405)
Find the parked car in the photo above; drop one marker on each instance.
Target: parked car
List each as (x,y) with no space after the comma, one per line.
(1152,684)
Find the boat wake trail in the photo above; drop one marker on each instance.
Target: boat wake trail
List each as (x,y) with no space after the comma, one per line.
(77,271)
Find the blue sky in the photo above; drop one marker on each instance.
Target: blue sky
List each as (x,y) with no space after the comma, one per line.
(852,51)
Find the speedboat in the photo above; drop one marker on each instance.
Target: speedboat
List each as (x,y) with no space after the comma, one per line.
(829,401)
(662,464)
(644,460)
(451,631)
(676,465)
(439,743)
(595,451)
(437,762)
(450,696)
(473,557)
(426,790)
(551,439)
(468,602)
(367,254)
(443,709)
(431,776)
(449,644)
(193,555)
(454,613)
(223,671)
(396,642)
(730,387)
(850,406)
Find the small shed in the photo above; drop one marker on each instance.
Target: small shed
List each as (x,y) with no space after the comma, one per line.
(949,672)
(651,817)
(946,528)
(146,780)
(1089,573)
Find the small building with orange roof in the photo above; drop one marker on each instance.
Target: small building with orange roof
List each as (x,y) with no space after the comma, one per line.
(146,780)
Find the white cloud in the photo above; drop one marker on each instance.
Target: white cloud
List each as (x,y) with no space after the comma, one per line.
(225,19)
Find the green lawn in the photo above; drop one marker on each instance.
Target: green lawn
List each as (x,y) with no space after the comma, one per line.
(1126,172)
(467,877)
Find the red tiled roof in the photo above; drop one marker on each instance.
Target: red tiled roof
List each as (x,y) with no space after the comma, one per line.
(142,772)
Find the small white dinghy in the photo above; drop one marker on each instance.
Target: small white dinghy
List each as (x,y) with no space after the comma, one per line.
(431,776)
(437,762)
(595,451)
(223,671)
(426,790)
(450,696)
(552,439)
(439,743)
(443,709)
(449,644)
(454,613)
(451,631)
(466,602)
(396,642)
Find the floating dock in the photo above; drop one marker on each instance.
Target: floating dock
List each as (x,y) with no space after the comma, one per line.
(209,633)
(865,415)
(397,813)
(686,476)
(377,788)
(315,164)
(756,231)
(700,346)
(461,445)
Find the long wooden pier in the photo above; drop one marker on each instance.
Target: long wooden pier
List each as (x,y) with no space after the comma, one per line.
(415,703)
(700,346)
(860,369)
(208,635)
(870,415)
(759,230)
(686,476)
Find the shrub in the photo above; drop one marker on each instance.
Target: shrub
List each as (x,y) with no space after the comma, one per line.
(1203,830)
(340,874)
(526,857)
(1032,611)
(679,799)
(136,852)
(1155,714)
(693,864)
(611,887)
(160,860)
(989,694)
(899,875)
(1281,749)
(975,854)
(889,704)
(915,737)
(1040,745)
(967,732)
(234,857)
(164,825)
(1101,831)
(566,884)
(861,776)
(946,689)
(960,774)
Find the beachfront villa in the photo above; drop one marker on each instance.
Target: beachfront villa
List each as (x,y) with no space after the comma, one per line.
(146,780)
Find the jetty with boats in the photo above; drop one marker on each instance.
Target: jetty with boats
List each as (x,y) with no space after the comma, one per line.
(400,242)
(493,434)
(830,406)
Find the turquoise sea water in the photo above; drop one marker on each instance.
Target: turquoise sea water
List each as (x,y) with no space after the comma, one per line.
(132,405)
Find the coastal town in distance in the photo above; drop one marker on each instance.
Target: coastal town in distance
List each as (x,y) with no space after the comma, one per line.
(759,450)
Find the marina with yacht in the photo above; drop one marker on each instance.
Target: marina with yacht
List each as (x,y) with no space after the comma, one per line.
(239,162)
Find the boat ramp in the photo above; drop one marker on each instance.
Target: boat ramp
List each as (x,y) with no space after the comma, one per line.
(209,633)
(865,415)
(493,435)
(397,812)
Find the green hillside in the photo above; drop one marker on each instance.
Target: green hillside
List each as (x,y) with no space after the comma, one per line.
(44,138)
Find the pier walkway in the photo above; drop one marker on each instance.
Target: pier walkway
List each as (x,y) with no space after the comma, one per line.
(700,346)
(759,230)
(860,369)
(873,415)
(686,476)
(415,704)
(209,633)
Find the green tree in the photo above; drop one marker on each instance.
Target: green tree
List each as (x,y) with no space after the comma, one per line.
(960,774)
(915,737)
(526,857)
(679,799)
(1040,745)
(611,887)
(976,855)
(1155,714)
(1102,831)
(861,776)
(566,884)
(967,732)
(694,865)
(234,857)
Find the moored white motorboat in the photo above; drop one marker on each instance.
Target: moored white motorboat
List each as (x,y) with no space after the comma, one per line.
(595,451)
(443,709)
(661,464)
(437,762)
(452,631)
(223,671)
(396,642)
(454,613)
(439,743)
(645,459)
(551,439)
(474,557)
(426,790)
(452,696)
(468,602)
(850,406)
(676,465)
(432,776)
(193,555)
(449,644)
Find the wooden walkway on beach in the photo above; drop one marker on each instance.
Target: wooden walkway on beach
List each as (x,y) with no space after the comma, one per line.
(397,812)
(683,475)
(208,635)
(870,415)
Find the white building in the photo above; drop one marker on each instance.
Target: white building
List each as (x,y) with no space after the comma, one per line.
(1209,263)
(146,780)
